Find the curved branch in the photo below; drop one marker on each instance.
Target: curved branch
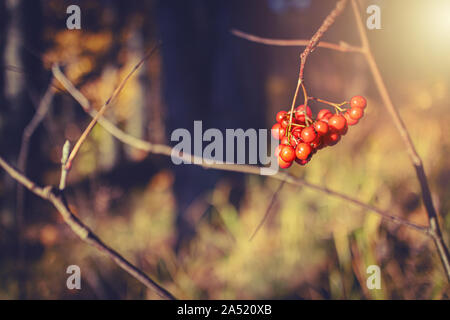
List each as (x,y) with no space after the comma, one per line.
(434,227)
(41,111)
(341,46)
(326,24)
(104,107)
(268,210)
(82,231)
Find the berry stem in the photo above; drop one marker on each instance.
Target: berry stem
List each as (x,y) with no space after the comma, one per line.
(337,106)
(305,103)
(329,20)
(299,83)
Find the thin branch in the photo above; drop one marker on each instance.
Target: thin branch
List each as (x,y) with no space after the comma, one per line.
(105,123)
(268,210)
(42,109)
(326,24)
(103,109)
(382,213)
(329,20)
(435,229)
(341,46)
(21,71)
(81,230)
(255,170)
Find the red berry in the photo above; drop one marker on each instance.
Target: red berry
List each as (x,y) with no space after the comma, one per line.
(322,113)
(302,151)
(350,120)
(326,117)
(358,102)
(321,127)
(284,164)
(308,134)
(297,132)
(287,153)
(280,116)
(337,122)
(356,113)
(299,113)
(278,149)
(284,140)
(289,142)
(331,138)
(277,131)
(285,123)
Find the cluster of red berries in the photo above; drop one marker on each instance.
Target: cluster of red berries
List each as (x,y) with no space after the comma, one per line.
(301,137)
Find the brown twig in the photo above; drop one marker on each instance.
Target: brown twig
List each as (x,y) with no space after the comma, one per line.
(42,109)
(341,46)
(105,123)
(103,109)
(21,71)
(329,20)
(268,210)
(81,230)
(434,227)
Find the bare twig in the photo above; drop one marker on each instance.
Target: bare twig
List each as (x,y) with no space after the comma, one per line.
(21,71)
(82,231)
(42,109)
(329,20)
(268,210)
(105,123)
(434,227)
(103,109)
(341,46)
(382,213)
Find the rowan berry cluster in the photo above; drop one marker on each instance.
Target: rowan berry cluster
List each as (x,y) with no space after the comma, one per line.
(302,136)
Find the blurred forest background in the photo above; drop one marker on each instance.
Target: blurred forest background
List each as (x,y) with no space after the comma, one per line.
(187,227)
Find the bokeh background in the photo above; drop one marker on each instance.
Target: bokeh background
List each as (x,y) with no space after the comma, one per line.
(187,227)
